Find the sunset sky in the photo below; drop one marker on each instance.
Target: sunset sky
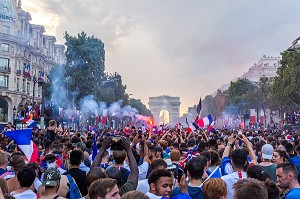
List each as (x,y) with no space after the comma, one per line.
(180,48)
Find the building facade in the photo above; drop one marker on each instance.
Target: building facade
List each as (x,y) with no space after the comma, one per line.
(26,57)
(266,66)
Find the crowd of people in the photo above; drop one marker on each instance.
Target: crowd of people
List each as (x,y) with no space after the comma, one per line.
(143,164)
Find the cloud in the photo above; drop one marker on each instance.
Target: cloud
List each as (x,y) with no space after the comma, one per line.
(181,48)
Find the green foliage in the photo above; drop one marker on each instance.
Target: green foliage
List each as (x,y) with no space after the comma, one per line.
(286,85)
(136,103)
(85,58)
(241,93)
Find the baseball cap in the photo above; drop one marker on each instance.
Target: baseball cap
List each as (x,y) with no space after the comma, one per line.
(267,151)
(51,177)
(170,164)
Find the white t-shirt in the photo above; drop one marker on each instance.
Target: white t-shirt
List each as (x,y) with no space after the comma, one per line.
(232,178)
(28,194)
(143,169)
(143,186)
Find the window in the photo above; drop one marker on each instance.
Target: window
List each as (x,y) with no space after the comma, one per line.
(3,81)
(19,65)
(6,29)
(5,47)
(4,63)
(23,85)
(18,84)
(28,88)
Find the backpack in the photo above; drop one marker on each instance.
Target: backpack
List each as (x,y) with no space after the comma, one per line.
(73,188)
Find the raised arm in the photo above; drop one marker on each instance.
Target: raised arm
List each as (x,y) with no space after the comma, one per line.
(228,147)
(133,176)
(105,145)
(250,149)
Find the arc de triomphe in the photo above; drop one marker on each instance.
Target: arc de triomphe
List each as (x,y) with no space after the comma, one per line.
(164,102)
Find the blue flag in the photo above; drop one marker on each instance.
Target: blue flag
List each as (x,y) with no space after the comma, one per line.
(95,149)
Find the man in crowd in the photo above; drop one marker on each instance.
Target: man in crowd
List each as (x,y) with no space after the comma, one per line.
(250,189)
(51,184)
(161,184)
(195,170)
(287,178)
(132,179)
(76,157)
(26,178)
(104,188)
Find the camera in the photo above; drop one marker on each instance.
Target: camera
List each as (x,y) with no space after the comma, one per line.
(116,144)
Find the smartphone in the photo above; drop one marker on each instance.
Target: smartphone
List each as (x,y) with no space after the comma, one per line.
(180,173)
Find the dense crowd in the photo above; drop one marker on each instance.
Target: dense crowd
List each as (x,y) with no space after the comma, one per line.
(142,164)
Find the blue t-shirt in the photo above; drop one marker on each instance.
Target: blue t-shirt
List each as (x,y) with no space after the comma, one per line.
(293,194)
(194,192)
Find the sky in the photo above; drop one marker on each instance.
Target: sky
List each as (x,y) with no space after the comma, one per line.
(185,49)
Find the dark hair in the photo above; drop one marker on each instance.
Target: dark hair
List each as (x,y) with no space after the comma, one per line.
(100,187)
(119,156)
(94,174)
(76,156)
(158,163)
(288,167)
(26,176)
(158,173)
(195,167)
(273,191)
(114,173)
(175,145)
(17,162)
(47,143)
(250,189)
(282,153)
(239,158)
(257,172)
(214,158)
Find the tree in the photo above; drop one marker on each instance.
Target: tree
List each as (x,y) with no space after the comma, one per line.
(137,103)
(286,85)
(85,58)
(241,94)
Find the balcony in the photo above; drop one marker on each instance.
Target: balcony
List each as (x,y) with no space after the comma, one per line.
(4,70)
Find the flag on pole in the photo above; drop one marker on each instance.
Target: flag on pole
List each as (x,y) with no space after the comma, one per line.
(211,127)
(23,140)
(199,106)
(205,121)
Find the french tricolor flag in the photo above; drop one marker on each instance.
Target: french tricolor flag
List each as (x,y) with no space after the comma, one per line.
(23,140)
(206,121)
(89,128)
(31,123)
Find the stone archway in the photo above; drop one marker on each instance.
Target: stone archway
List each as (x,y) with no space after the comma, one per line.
(166,103)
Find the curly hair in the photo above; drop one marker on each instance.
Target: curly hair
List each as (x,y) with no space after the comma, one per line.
(158,173)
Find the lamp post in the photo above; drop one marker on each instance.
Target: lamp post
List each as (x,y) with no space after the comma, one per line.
(14,115)
(42,105)
(34,82)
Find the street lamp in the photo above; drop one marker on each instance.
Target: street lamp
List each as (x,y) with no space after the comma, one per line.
(34,82)
(14,115)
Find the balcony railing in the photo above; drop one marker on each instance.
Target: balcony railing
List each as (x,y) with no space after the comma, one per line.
(4,70)
(18,72)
